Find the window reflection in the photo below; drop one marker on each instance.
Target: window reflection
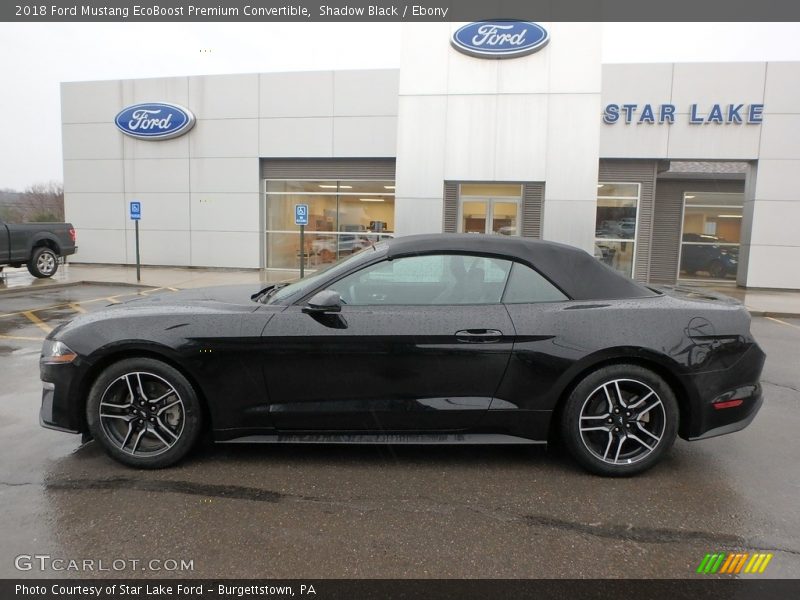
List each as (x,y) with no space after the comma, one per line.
(712,225)
(615,225)
(344,217)
(435,279)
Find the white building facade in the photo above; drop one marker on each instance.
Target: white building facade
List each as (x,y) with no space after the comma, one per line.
(664,171)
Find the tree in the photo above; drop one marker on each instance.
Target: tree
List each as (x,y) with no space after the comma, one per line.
(43,202)
(10,214)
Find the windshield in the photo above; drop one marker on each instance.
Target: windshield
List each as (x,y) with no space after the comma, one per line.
(301,286)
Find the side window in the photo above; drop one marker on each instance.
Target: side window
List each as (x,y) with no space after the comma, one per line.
(435,279)
(526,286)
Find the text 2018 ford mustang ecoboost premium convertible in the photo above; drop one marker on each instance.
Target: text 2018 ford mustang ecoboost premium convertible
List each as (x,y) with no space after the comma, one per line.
(422,339)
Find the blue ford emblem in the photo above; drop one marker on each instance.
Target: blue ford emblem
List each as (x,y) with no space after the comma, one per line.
(500,39)
(154,121)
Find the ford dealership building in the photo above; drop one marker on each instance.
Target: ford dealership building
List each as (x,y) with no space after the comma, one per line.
(663,171)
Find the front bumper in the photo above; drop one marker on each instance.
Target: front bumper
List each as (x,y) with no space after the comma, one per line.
(60,408)
(46,418)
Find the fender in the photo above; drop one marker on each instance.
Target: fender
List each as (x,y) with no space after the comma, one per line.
(94,364)
(667,368)
(39,237)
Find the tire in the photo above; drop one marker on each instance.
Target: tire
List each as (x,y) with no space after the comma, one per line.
(157,430)
(716,269)
(617,438)
(43,263)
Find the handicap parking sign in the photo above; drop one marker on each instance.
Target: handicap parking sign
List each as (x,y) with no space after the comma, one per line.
(136,211)
(301,214)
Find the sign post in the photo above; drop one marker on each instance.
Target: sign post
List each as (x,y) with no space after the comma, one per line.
(136,215)
(301,218)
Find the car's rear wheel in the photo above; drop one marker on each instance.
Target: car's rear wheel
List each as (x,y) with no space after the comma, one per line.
(144,413)
(620,420)
(43,263)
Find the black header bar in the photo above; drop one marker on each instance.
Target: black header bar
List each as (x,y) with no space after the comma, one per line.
(382,10)
(398,589)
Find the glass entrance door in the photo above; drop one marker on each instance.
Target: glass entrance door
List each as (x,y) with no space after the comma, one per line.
(489,208)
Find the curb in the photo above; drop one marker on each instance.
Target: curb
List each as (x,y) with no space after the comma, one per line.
(37,288)
(774,315)
(120,283)
(69,284)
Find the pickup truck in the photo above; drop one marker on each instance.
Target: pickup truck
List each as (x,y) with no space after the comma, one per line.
(37,245)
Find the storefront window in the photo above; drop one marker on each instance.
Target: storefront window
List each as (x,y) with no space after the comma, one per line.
(615,225)
(490,208)
(712,226)
(343,217)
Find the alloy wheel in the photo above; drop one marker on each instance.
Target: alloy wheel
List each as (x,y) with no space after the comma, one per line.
(622,421)
(46,263)
(142,414)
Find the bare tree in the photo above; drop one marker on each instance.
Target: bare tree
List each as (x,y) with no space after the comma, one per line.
(43,202)
(10,214)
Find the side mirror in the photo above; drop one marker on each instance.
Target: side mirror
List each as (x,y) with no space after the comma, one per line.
(326,301)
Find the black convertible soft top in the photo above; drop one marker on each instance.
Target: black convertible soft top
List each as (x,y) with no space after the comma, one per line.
(577,273)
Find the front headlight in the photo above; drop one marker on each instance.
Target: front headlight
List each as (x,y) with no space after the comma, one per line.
(56,352)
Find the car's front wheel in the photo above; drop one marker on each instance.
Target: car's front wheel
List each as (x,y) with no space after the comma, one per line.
(144,413)
(620,420)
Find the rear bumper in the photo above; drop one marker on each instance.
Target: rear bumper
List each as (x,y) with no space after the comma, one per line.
(728,420)
(728,400)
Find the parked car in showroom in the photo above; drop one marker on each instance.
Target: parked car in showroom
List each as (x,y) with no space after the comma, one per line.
(329,247)
(710,254)
(39,246)
(466,339)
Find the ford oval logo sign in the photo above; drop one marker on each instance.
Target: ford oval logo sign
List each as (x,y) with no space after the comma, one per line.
(154,121)
(500,39)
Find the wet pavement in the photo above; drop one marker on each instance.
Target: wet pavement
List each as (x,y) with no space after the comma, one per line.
(318,512)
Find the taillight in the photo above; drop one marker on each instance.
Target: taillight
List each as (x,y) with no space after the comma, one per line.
(73,235)
(727,404)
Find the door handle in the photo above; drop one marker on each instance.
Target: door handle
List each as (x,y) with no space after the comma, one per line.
(479,336)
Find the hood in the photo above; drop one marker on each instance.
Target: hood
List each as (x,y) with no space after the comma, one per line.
(170,305)
(220,294)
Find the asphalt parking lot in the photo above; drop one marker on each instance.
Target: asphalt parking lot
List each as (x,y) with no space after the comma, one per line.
(381,512)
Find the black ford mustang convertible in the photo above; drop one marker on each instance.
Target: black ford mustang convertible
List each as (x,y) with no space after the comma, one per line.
(452,339)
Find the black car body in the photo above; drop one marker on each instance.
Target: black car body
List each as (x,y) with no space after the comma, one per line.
(437,338)
(37,245)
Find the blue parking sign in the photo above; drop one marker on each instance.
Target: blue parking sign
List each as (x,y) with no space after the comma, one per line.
(136,211)
(301,214)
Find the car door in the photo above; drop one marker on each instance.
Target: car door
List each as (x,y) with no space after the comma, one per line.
(421,343)
(539,356)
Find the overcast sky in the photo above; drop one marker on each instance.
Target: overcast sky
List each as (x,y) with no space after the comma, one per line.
(36,57)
